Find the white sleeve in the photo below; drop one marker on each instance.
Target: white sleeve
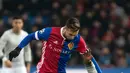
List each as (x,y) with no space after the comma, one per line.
(91,68)
(3,42)
(27,53)
(36,35)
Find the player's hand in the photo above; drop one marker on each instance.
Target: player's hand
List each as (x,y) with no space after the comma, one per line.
(14,53)
(8,63)
(88,54)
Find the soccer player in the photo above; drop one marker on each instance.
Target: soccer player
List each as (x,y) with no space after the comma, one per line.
(8,41)
(59,43)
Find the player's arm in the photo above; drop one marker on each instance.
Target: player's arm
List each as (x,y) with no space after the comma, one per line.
(27,57)
(38,35)
(3,42)
(89,61)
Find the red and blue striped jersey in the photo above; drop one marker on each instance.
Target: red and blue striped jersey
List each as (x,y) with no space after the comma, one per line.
(56,50)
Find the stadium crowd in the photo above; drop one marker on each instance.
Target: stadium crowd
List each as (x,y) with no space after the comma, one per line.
(105,25)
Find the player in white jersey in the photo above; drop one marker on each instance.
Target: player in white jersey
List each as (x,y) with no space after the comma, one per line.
(8,41)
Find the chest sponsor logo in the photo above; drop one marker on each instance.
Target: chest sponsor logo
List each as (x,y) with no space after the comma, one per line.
(58,50)
(71,45)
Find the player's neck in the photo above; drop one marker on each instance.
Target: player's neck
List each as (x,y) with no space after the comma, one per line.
(16,31)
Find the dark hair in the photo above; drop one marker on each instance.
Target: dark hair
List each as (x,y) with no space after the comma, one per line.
(73,23)
(17,17)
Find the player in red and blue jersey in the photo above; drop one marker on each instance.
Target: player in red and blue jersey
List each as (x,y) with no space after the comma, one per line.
(59,43)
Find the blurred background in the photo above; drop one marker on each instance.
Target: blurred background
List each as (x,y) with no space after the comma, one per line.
(105,26)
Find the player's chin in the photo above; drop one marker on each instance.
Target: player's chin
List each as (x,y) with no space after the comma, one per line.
(69,38)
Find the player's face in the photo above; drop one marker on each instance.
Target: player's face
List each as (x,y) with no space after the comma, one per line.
(17,24)
(70,34)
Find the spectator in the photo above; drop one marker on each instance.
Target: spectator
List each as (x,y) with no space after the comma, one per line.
(26,22)
(39,22)
(105,58)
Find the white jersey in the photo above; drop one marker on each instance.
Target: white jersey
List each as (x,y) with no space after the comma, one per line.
(9,41)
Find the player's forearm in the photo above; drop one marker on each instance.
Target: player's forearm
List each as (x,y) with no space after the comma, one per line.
(1,51)
(28,66)
(27,54)
(2,57)
(2,45)
(26,40)
(90,67)
(96,65)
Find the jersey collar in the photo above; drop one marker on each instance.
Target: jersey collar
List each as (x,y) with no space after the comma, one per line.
(61,32)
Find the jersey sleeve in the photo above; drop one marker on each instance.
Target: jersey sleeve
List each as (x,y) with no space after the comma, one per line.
(27,54)
(43,34)
(38,35)
(82,47)
(3,42)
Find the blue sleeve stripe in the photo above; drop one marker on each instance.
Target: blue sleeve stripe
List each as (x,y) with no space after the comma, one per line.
(36,35)
(96,65)
(26,40)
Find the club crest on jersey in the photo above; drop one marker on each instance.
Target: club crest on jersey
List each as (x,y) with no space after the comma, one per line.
(71,45)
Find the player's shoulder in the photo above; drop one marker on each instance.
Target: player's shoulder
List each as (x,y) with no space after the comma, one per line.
(76,39)
(79,38)
(51,31)
(24,32)
(56,28)
(8,31)
(51,28)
